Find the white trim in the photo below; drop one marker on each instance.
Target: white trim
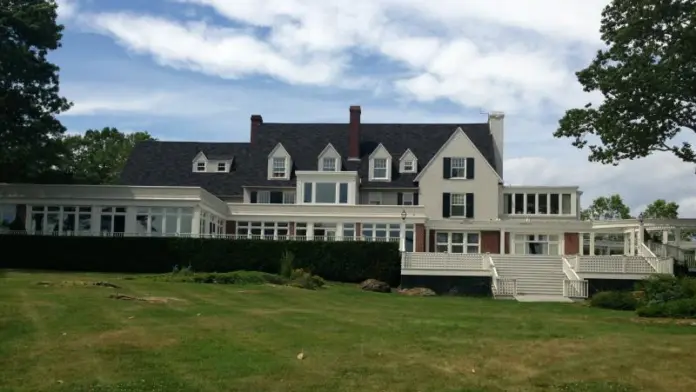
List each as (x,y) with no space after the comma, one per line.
(320,159)
(442,148)
(408,156)
(388,163)
(464,244)
(279,151)
(200,156)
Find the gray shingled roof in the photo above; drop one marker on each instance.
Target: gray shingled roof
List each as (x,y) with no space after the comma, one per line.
(169,163)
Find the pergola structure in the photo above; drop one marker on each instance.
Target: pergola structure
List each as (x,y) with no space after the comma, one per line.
(632,232)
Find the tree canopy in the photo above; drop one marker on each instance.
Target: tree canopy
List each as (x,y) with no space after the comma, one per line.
(647,75)
(97,157)
(29,94)
(607,208)
(661,209)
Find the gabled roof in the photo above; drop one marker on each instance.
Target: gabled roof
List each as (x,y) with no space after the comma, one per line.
(169,163)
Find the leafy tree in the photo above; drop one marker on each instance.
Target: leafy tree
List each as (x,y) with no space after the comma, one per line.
(29,94)
(661,209)
(607,208)
(97,157)
(647,75)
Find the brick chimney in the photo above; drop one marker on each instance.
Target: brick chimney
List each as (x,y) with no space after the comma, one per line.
(354,134)
(256,121)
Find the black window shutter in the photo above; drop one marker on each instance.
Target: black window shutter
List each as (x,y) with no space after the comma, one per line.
(469,205)
(445,205)
(415,199)
(276,197)
(446,167)
(252,197)
(400,198)
(470,168)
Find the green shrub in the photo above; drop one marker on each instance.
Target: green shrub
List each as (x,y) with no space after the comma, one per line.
(617,300)
(350,261)
(665,288)
(236,277)
(678,308)
(305,280)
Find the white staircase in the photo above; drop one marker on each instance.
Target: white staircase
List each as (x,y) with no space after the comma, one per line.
(536,275)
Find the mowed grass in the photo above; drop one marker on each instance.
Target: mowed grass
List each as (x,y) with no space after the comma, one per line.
(247,338)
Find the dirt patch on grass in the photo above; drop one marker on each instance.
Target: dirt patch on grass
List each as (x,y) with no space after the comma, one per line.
(78,283)
(134,337)
(152,300)
(664,321)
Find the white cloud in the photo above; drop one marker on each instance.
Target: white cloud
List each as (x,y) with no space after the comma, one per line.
(67,8)
(498,54)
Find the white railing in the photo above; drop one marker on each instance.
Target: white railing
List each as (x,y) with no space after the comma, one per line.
(214,236)
(680,255)
(612,264)
(444,261)
(575,288)
(662,265)
(500,286)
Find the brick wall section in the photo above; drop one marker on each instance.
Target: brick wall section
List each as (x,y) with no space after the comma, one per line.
(490,242)
(431,241)
(420,237)
(572,243)
(231,227)
(507,243)
(291,228)
(358,229)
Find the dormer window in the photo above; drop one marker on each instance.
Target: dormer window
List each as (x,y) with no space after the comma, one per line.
(222,167)
(408,162)
(200,166)
(279,167)
(328,164)
(379,169)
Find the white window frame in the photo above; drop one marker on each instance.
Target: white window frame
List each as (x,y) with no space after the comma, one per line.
(407,199)
(263,197)
(512,204)
(289,197)
(278,172)
(266,230)
(458,200)
(375,198)
(409,166)
(552,241)
(329,164)
(221,167)
(452,244)
(458,167)
(337,200)
(375,167)
(201,166)
(368,232)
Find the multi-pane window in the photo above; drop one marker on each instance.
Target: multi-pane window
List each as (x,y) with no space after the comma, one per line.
(379,168)
(407,199)
(263,230)
(64,220)
(156,221)
(458,168)
(7,216)
(374,198)
(458,204)
(388,232)
(409,166)
(200,166)
(113,220)
(279,167)
(328,164)
(457,242)
(289,197)
(222,167)
(535,203)
(536,244)
(325,192)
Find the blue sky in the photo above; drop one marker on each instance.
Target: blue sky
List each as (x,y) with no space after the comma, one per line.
(197,70)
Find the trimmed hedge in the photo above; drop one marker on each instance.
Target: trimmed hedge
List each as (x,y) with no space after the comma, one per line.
(337,261)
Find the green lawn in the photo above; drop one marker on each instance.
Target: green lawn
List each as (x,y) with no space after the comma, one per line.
(247,338)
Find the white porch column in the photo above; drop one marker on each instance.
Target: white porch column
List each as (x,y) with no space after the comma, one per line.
(95,220)
(627,245)
(665,236)
(402,236)
(581,243)
(502,242)
(196,222)
(310,231)
(641,235)
(339,232)
(632,244)
(131,213)
(592,239)
(677,236)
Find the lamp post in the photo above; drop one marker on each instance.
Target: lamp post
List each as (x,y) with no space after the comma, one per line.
(641,230)
(402,232)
